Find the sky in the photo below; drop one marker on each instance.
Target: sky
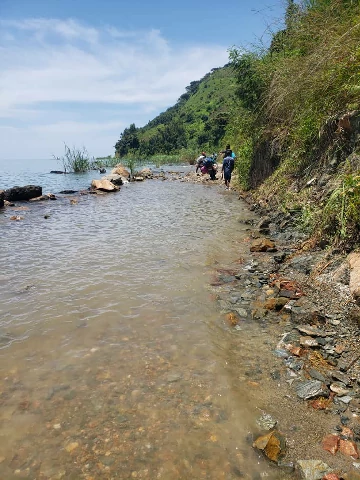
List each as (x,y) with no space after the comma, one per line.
(78,72)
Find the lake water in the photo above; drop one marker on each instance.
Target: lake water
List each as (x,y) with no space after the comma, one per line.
(115,359)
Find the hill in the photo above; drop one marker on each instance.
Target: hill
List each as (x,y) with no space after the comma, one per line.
(196,122)
(291,112)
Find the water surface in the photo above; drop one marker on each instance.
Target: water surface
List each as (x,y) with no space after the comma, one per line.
(115,359)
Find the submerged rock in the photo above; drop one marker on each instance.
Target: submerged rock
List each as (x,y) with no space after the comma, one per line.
(272,444)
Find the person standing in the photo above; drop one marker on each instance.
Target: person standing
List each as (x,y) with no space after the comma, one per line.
(227,167)
(228,148)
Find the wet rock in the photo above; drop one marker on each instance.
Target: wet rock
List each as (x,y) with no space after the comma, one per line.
(272,444)
(68,192)
(311,389)
(120,170)
(262,245)
(288,467)
(48,196)
(276,303)
(312,469)
(104,185)
(2,198)
(266,422)
(232,318)
(23,193)
(173,377)
(115,179)
(331,443)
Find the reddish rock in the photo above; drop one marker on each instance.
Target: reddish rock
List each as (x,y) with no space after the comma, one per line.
(330,476)
(330,443)
(347,447)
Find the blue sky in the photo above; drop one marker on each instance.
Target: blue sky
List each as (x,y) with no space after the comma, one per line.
(81,71)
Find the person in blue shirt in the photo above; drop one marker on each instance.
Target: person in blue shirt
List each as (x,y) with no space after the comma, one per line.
(227,167)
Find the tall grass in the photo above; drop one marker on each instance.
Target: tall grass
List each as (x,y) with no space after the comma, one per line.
(76,160)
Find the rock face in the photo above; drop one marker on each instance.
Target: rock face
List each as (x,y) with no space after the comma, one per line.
(23,193)
(2,198)
(104,185)
(354,262)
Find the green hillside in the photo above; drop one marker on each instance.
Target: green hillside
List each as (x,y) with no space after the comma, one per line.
(291,112)
(196,122)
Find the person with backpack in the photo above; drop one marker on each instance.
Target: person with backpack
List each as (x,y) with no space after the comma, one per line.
(227,167)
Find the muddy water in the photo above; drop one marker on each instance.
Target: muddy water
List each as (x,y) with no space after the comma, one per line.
(115,358)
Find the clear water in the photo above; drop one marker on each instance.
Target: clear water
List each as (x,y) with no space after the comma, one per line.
(115,360)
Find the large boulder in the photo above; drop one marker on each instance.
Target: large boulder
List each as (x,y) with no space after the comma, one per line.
(2,198)
(120,170)
(145,173)
(115,179)
(104,185)
(23,193)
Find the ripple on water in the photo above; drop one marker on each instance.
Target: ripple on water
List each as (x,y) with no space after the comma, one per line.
(112,365)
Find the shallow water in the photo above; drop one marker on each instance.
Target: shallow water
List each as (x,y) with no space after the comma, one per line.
(115,360)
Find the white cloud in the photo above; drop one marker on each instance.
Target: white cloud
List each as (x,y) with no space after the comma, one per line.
(54,68)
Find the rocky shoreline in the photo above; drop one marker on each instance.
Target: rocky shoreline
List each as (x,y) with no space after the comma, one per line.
(303,296)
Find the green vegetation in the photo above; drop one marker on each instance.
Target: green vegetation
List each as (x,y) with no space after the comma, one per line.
(75,160)
(196,122)
(290,112)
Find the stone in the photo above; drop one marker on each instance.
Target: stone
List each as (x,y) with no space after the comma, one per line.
(347,447)
(266,422)
(311,331)
(354,284)
(115,179)
(339,389)
(341,377)
(330,476)
(308,342)
(276,303)
(104,185)
(330,443)
(262,245)
(311,389)
(272,444)
(23,193)
(120,170)
(312,469)
(2,198)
